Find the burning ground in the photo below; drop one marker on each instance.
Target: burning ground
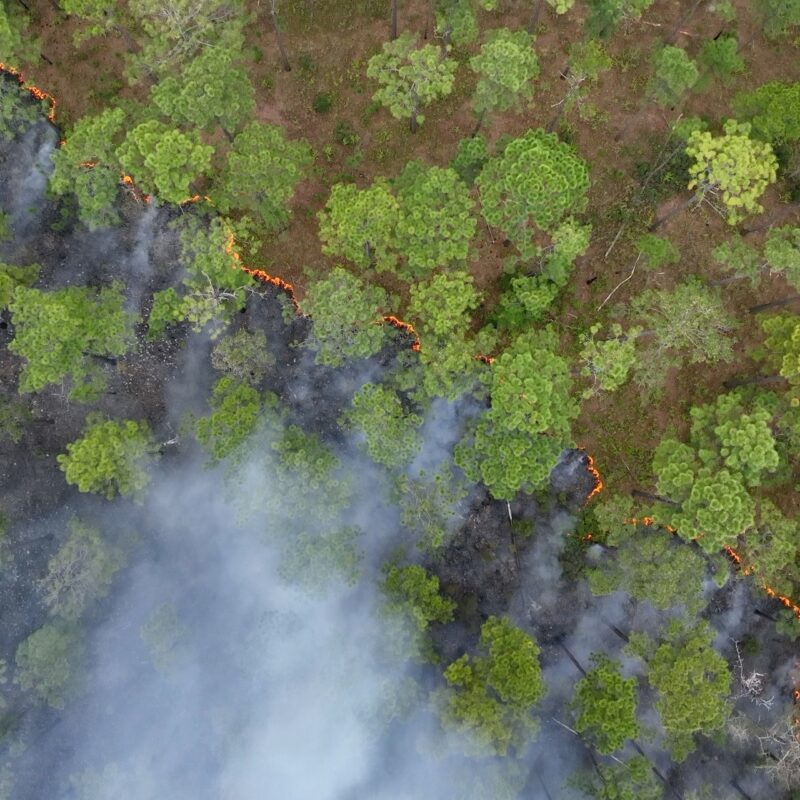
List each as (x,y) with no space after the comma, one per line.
(228,660)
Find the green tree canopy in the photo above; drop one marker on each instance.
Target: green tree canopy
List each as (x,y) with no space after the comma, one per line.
(650,564)
(411,590)
(235,413)
(359,224)
(262,173)
(111,458)
(336,336)
(605,706)
(163,160)
(80,572)
(48,662)
(410,78)
(439,309)
(731,169)
(506,67)
(692,681)
(11,277)
(491,695)
(391,434)
(435,223)
(687,324)
(675,73)
(213,286)
(243,356)
(720,58)
(210,91)
(622,780)
(62,334)
(535,180)
(605,15)
(608,362)
(86,165)
(779,16)
(517,441)
(773,109)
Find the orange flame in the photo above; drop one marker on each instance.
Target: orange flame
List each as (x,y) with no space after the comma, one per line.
(406,327)
(34,91)
(598,480)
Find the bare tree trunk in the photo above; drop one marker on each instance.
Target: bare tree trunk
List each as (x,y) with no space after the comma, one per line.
(650,496)
(537,10)
(287,67)
(680,209)
(774,304)
(754,380)
(393,32)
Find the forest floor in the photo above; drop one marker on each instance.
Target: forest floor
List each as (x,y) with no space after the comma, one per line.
(615,128)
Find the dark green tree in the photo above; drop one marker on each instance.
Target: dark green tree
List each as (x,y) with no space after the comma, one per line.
(516,443)
(491,696)
(80,572)
(692,681)
(336,336)
(773,110)
(210,91)
(235,414)
(506,67)
(391,433)
(86,165)
(675,73)
(48,663)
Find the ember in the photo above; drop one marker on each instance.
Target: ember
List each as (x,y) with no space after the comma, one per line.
(34,91)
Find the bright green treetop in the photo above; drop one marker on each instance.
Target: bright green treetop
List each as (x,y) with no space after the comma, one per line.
(506,67)
(411,78)
(773,109)
(605,706)
(262,172)
(391,434)
(732,169)
(210,91)
(359,224)
(725,434)
(770,549)
(675,74)
(86,164)
(435,224)
(783,345)
(692,681)
(536,180)
(492,695)
(111,458)
(164,161)
(337,336)
(80,572)
(235,413)
(59,332)
(713,505)
(782,253)
(517,441)
(48,662)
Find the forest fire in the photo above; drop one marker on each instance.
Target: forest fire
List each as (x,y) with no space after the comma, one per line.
(787,602)
(406,327)
(34,91)
(598,480)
